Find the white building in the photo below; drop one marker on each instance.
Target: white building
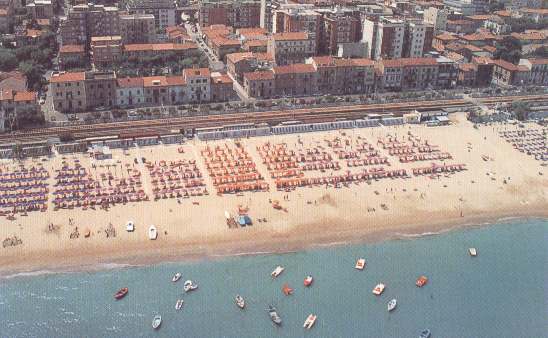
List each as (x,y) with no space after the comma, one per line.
(198,84)
(436,17)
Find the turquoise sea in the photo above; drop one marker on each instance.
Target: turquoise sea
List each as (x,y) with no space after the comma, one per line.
(503,292)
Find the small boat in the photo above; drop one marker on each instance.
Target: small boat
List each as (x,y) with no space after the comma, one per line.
(130,226)
(240,302)
(152,232)
(473,252)
(179,304)
(176,277)
(421,281)
(425,334)
(189,286)
(360,264)
(308,281)
(279,269)
(309,322)
(379,289)
(287,290)
(121,293)
(274,315)
(392,304)
(156,322)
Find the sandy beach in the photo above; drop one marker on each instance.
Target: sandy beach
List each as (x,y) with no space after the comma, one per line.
(498,182)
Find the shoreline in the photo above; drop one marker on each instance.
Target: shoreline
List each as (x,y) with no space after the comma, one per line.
(499,182)
(251,248)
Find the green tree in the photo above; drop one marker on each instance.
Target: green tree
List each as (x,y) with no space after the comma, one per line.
(8,60)
(521,109)
(34,73)
(508,49)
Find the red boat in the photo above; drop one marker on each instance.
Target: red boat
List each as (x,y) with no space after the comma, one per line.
(421,281)
(121,293)
(287,290)
(308,281)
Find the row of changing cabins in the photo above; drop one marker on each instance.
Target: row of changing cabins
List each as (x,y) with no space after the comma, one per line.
(46,148)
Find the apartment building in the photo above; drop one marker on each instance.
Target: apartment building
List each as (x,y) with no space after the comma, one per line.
(436,17)
(130,92)
(238,64)
(238,14)
(198,84)
(163,50)
(85,21)
(137,28)
(289,48)
(507,74)
(105,50)
(259,84)
(385,37)
(417,39)
(71,55)
(298,18)
(538,69)
(69,92)
(343,76)
(408,73)
(295,80)
(338,27)
(100,89)
(40,9)
(222,88)
(14,103)
(467,7)
(163,11)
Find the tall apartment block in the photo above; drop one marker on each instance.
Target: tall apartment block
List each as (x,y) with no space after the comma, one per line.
(237,14)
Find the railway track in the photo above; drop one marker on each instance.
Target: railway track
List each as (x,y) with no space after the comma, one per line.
(164,126)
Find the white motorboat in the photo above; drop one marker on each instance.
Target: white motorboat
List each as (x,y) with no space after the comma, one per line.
(152,232)
(130,226)
(360,264)
(279,269)
(473,252)
(179,304)
(392,304)
(189,286)
(274,315)
(240,302)
(156,322)
(309,322)
(379,289)
(176,277)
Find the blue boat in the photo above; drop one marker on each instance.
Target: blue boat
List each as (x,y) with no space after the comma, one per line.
(425,334)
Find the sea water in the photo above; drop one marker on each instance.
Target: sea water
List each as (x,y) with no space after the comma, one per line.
(503,292)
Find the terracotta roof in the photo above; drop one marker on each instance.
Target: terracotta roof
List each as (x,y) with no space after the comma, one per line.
(3,12)
(472,48)
(33,33)
(482,60)
(538,61)
(262,75)
(481,17)
(329,61)
(159,46)
(71,49)
(455,56)
(490,49)
(221,79)
(252,31)
(503,13)
(237,57)
(409,62)
(154,81)
(223,42)
(196,72)
(68,77)
(176,80)
(297,68)
(446,37)
(467,67)
(509,66)
(24,96)
(481,37)
(290,36)
(128,82)
(529,36)
(255,43)
(542,11)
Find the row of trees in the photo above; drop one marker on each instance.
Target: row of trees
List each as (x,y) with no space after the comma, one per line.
(150,66)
